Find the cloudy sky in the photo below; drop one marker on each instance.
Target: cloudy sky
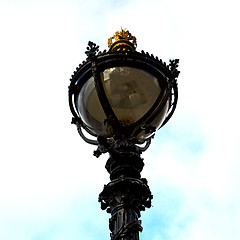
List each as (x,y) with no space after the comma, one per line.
(49,180)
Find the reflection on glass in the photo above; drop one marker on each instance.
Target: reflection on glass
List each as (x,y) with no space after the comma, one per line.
(156,122)
(90,109)
(131,92)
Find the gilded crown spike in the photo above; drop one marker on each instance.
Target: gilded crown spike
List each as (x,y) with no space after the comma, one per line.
(122,41)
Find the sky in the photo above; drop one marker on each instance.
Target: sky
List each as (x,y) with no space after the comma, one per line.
(49,178)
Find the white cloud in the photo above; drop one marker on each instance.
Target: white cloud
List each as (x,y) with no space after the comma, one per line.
(192,165)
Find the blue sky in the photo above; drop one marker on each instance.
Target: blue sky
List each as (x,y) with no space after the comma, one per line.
(47,191)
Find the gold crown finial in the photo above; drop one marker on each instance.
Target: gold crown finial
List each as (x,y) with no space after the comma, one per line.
(122,41)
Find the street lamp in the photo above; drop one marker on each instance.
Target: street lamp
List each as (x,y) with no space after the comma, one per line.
(121,97)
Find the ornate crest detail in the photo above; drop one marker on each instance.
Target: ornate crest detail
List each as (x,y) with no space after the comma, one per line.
(173,67)
(92,49)
(123,37)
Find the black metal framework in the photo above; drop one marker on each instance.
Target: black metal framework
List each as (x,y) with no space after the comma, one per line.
(97,62)
(127,194)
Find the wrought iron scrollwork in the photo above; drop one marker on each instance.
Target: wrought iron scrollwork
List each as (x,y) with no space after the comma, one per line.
(92,50)
(173,68)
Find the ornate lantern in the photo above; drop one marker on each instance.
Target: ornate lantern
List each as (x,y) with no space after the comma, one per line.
(121,97)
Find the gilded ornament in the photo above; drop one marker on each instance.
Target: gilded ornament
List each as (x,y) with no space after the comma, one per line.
(122,40)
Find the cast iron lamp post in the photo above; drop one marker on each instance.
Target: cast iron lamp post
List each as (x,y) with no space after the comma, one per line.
(121,97)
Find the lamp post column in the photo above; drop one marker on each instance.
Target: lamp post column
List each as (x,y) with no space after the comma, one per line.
(126,195)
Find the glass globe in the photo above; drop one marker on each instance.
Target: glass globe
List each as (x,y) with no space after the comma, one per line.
(131,92)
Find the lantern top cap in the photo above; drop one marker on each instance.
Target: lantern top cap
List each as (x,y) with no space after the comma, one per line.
(122,40)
